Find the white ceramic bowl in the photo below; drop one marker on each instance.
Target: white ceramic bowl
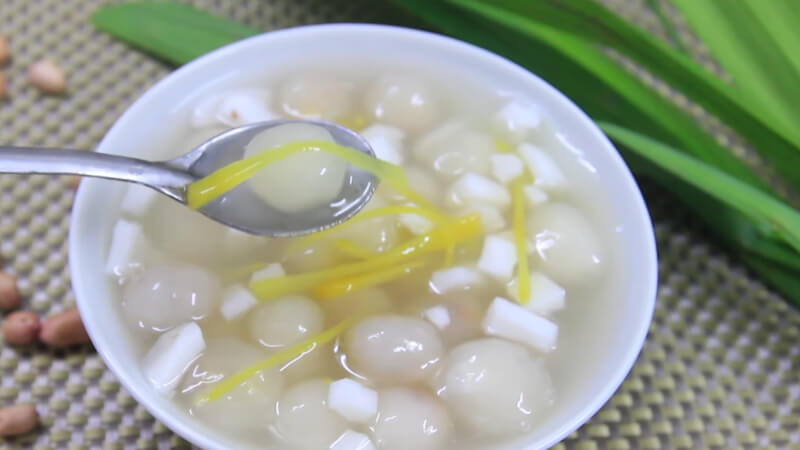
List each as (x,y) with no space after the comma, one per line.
(603,367)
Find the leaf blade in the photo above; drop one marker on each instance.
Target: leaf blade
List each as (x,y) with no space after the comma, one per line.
(749,53)
(759,207)
(174,32)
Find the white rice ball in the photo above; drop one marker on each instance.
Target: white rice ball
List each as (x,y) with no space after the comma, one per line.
(304,420)
(495,387)
(281,323)
(453,149)
(411,419)
(393,349)
(165,296)
(186,235)
(301,181)
(248,407)
(375,235)
(316,96)
(422,181)
(403,101)
(183,233)
(311,256)
(566,244)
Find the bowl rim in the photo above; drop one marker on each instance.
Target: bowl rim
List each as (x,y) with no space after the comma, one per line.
(649,252)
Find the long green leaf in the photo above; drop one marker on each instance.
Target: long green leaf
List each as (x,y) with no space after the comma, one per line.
(751,202)
(731,219)
(780,18)
(741,38)
(587,18)
(174,32)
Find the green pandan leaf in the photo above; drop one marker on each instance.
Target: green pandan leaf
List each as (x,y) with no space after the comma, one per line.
(173,32)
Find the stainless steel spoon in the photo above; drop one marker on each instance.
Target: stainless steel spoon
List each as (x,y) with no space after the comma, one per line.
(240,208)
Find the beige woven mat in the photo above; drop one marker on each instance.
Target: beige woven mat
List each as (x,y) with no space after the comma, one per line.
(720,368)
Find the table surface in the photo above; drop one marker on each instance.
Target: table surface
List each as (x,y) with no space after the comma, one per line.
(720,367)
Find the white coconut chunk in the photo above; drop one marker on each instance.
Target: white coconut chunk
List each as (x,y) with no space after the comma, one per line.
(352,440)
(386,142)
(165,362)
(546,173)
(438,316)
(534,195)
(137,200)
(273,270)
(472,187)
(546,296)
(446,280)
(127,244)
(517,119)
(236,300)
(353,401)
(415,223)
(498,258)
(506,167)
(511,321)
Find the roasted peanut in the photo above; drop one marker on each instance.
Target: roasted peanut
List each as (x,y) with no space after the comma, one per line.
(64,329)
(48,77)
(5,49)
(18,419)
(21,327)
(9,294)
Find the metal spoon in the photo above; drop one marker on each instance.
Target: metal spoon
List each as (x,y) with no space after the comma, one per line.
(240,208)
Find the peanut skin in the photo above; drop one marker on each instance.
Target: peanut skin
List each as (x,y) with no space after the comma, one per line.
(48,77)
(18,419)
(64,329)
(9,294)
(21,327)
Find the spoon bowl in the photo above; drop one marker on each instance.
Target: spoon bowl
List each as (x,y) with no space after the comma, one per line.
(258,216)
(239,208)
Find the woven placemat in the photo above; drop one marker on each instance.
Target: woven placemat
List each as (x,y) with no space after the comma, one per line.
(720,367)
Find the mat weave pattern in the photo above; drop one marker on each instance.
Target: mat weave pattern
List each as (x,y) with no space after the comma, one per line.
(720,367)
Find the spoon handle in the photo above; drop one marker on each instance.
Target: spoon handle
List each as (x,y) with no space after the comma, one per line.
(35,160)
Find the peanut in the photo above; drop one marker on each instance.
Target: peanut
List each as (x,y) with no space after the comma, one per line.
(64,329)
(9,294)
(48,77)
(75,182)
(21,327)
(5,49)
(18,419)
